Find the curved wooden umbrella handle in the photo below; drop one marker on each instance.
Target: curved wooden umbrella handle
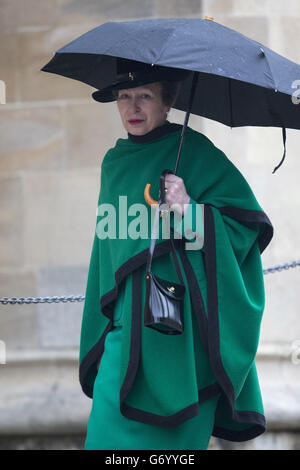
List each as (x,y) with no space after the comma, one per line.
(147,196)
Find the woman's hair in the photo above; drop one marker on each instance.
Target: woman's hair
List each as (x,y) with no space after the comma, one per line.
(169,92)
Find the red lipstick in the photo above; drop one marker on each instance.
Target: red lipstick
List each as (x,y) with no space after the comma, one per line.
(135,121)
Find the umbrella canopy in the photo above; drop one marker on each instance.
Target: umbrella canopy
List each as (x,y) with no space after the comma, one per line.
(240,82)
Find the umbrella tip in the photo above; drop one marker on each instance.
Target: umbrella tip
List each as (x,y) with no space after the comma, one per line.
(209,18)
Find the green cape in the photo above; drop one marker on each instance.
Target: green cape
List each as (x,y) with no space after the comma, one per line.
(163,378)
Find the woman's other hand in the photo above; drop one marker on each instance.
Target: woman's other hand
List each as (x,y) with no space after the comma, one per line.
(176,193)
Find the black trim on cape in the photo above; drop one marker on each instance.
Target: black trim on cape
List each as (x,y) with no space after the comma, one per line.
(242,215)
(208,327)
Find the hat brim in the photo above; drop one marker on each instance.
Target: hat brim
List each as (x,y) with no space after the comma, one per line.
(106,96)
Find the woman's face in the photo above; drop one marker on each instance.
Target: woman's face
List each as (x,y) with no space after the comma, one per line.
(141,108)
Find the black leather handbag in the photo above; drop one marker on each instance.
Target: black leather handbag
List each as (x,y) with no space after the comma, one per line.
(164,299)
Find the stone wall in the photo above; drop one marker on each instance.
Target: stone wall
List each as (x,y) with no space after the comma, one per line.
(53,137)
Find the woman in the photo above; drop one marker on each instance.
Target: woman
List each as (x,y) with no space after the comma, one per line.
(150,390)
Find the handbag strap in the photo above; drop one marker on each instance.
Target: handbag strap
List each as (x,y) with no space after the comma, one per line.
(155,230)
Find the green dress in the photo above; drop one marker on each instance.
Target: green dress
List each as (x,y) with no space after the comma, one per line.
(109,429)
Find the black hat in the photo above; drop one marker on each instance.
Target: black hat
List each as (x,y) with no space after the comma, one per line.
(131,74)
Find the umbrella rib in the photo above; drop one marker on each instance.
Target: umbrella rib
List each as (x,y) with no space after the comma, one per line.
(269,66)
(167,41)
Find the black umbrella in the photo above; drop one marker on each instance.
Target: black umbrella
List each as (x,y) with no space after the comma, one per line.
(236,81)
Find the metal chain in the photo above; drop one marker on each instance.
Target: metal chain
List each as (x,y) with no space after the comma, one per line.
(280,267)
(80,298)
(35,300)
